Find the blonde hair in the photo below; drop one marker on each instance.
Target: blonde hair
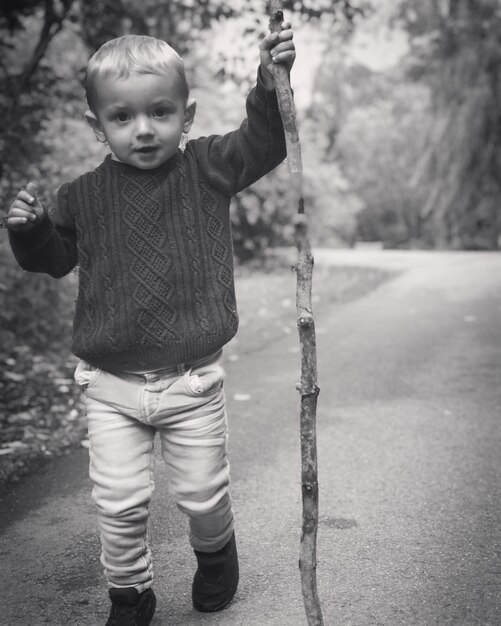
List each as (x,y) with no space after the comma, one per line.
(133,54)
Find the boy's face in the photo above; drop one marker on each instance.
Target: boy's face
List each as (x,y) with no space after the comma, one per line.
(142,117)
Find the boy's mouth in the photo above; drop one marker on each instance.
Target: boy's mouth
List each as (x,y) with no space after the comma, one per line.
(146,149)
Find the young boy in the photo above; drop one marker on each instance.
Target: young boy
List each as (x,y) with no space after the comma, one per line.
(150,231)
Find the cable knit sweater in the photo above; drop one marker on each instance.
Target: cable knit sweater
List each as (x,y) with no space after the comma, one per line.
(154,250)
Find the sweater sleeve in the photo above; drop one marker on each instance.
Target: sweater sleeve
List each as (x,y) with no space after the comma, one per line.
(234,161)
(49,247)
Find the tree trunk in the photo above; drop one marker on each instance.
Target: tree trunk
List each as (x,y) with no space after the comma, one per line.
(461,169)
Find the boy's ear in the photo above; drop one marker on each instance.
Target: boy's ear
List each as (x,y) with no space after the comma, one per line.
(189,114)
(93,122)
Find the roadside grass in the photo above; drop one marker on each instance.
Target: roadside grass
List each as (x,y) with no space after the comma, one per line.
(41,409)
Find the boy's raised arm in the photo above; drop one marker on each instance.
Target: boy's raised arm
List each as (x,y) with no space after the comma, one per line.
(236,160)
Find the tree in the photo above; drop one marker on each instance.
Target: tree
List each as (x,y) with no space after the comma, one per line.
(26,82)
(457,52)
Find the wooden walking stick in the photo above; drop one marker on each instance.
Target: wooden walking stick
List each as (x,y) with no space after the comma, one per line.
(307,387)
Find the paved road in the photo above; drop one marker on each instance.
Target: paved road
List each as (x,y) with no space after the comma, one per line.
(409,456)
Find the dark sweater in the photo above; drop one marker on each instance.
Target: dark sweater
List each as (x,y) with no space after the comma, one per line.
(154,250)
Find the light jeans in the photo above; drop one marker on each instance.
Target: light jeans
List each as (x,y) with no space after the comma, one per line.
(187,409)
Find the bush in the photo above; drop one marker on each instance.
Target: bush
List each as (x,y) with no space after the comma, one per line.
(40,412)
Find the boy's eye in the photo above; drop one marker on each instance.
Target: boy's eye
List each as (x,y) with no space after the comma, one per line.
(122,117)
(160,112)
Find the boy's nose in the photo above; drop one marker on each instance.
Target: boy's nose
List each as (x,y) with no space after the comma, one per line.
(143,127)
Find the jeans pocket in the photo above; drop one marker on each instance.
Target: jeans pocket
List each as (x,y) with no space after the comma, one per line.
(204,381)
(85,374)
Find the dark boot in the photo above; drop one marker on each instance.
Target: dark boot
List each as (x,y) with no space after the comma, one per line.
(130,608)
(216,579)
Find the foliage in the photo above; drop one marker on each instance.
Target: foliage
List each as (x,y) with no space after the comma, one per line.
(24,73)
(40,413)
(457,51)
(180,22)
(379,144)
(418,142)
(261,217)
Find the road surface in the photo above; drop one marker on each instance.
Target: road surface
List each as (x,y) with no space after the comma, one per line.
(409,469)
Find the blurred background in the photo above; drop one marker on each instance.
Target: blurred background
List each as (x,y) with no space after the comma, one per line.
(398,104)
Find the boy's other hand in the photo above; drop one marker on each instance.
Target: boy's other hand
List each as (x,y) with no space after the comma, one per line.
(277,48)
(26,210)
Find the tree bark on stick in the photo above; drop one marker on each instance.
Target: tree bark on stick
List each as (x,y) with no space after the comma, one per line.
(307,387)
